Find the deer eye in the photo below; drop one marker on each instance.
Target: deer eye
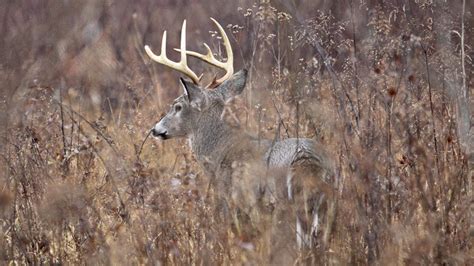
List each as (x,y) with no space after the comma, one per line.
(177,108)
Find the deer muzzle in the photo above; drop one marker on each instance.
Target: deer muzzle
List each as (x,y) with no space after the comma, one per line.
(159,132)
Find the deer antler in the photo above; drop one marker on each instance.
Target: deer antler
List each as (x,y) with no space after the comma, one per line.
(228,66)
(180,66)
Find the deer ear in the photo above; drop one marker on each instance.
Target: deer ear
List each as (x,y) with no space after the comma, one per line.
(192,91)
(234,85)
(194,94)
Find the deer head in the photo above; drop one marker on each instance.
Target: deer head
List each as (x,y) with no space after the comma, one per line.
(197,105)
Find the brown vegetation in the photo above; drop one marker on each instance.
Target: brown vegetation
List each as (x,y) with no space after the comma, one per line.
(385,86)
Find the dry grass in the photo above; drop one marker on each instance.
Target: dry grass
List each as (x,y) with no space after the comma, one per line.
(380,86)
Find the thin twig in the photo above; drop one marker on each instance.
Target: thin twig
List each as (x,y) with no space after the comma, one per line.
(62,120)
(433,125)
(354,61)
(279,115)
(94,127)
(465,91)
(143,143)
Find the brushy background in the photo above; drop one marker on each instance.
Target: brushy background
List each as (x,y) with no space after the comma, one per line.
(385,86)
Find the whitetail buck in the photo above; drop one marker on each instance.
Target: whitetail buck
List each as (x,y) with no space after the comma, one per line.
(219,147)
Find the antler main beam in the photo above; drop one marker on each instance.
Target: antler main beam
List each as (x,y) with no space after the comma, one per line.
(228,66)
(180,66)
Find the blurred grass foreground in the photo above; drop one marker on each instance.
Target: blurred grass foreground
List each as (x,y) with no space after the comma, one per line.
(384,86)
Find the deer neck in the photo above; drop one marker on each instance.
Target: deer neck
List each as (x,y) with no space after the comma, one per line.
(211,141)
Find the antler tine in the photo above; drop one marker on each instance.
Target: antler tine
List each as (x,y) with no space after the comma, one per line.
(180,66)
(228,66)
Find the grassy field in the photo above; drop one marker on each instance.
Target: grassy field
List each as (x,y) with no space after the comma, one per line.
(384,86)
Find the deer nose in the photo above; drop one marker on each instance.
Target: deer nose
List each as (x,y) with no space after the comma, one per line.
(163,134)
